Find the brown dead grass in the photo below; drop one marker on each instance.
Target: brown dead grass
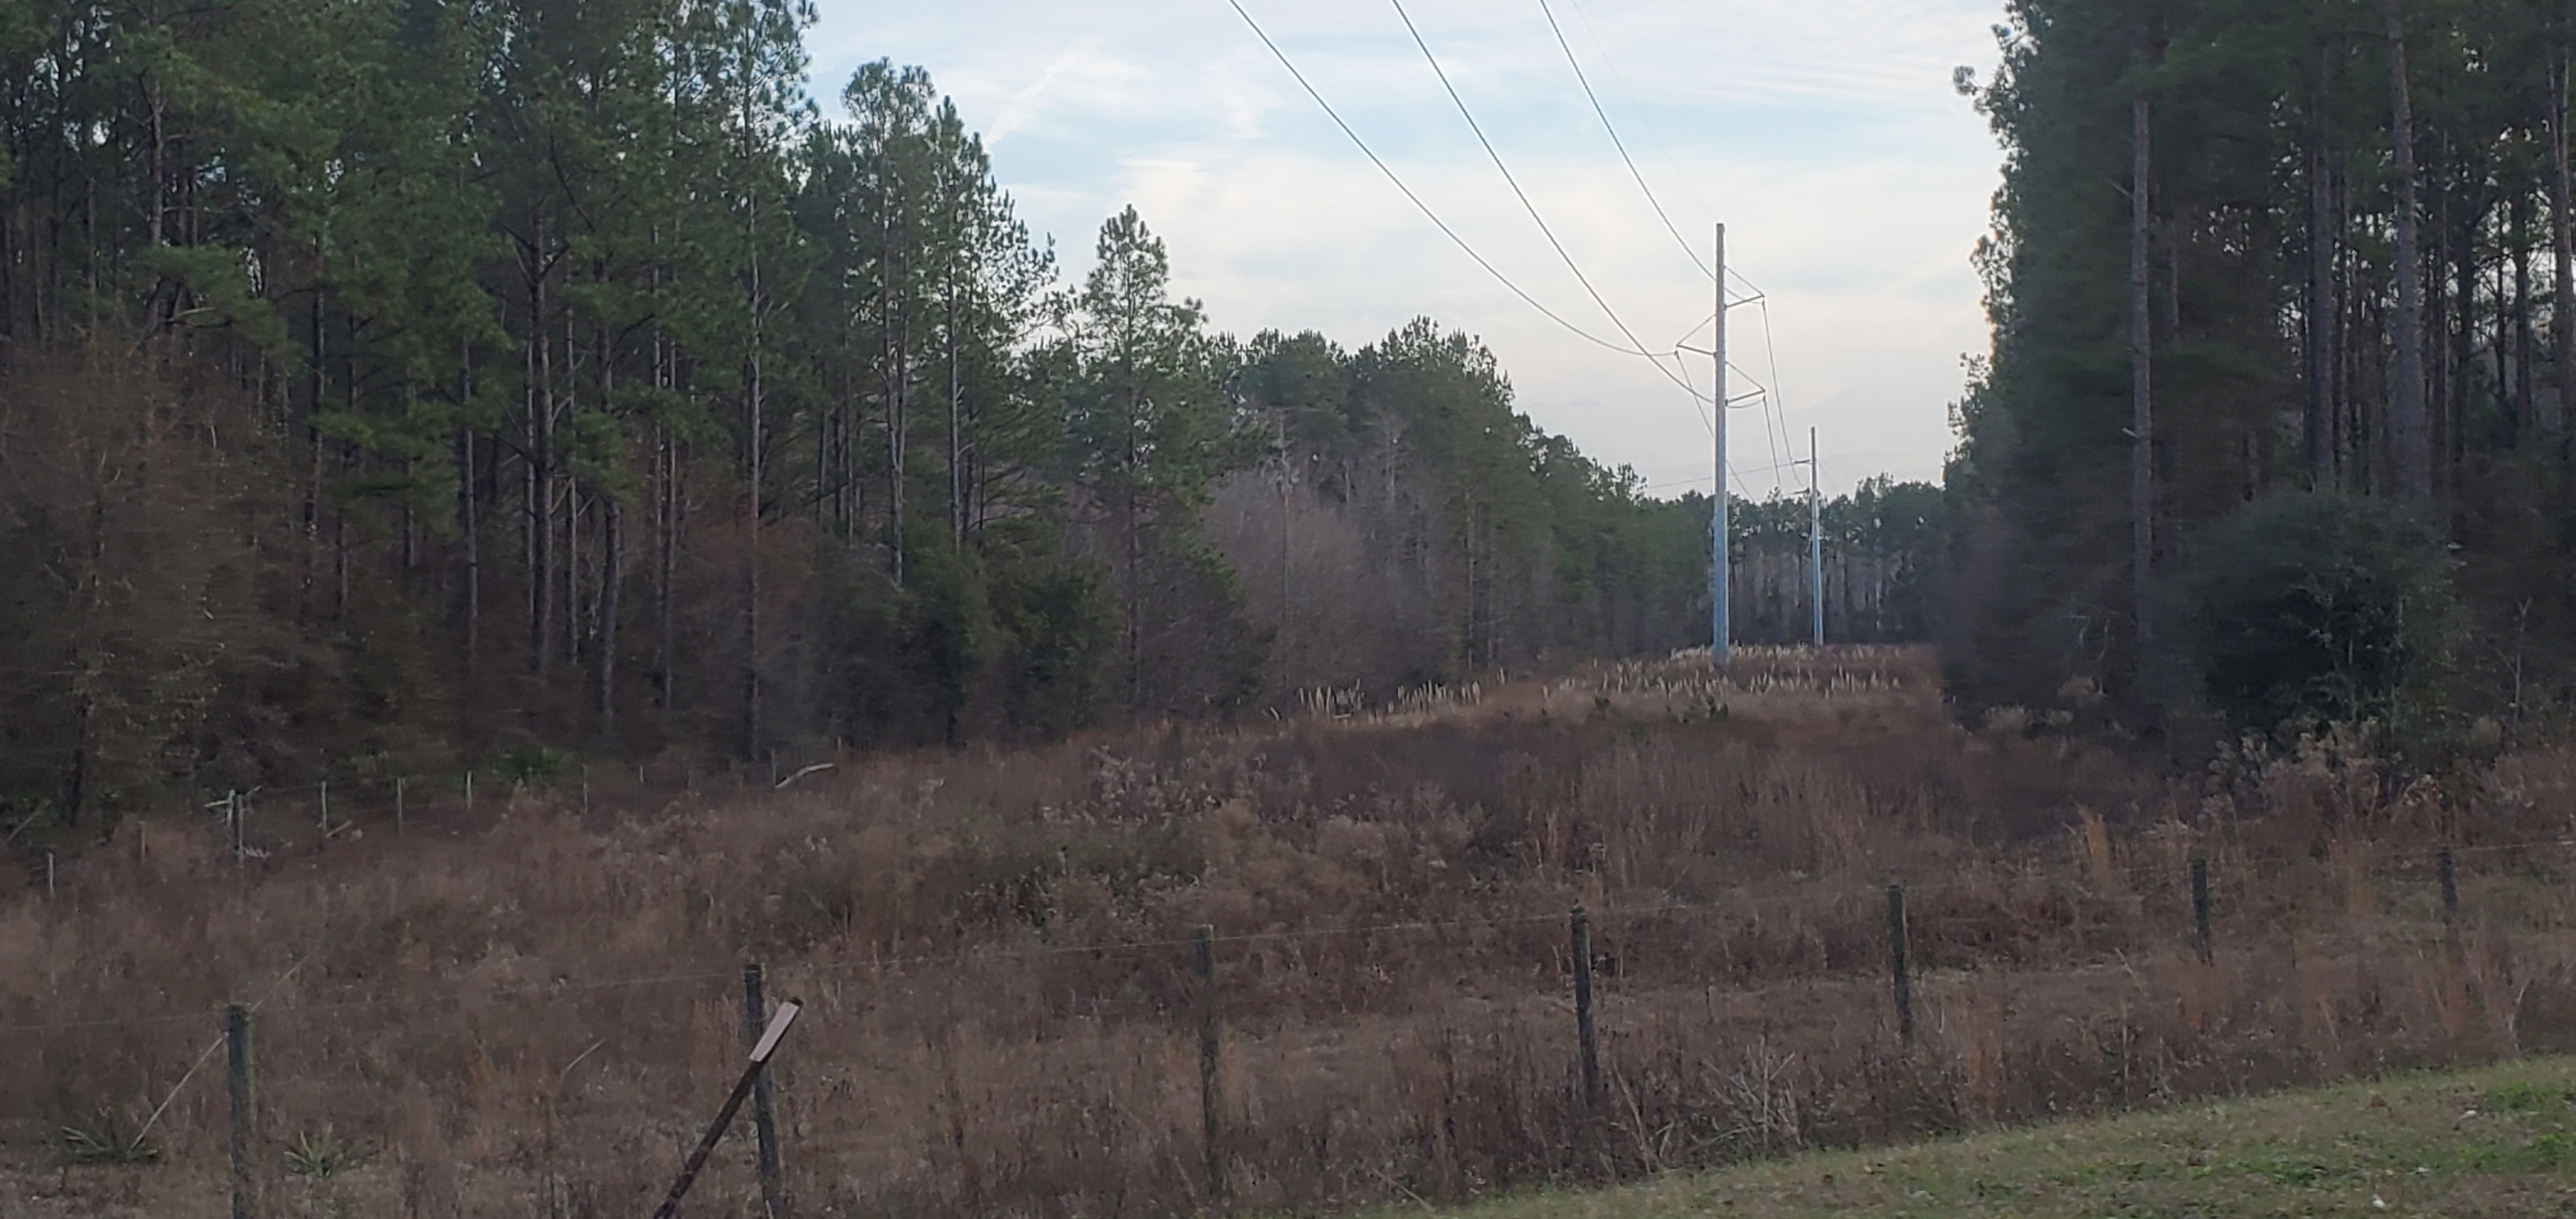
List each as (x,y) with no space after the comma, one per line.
(530,1012)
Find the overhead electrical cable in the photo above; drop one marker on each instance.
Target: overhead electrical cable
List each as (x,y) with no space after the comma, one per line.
(1514,183)
(1778,407)
(1634,348)
(1662,149)
(1616,142)
(1699,401)
(1774,412)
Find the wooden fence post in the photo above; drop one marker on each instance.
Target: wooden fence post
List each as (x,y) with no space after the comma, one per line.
(1587,1035)
(244,1115)
(764,1115)
(2200,908)
(1900,971)
(2450,888)
(1211,1097)
(697,1157)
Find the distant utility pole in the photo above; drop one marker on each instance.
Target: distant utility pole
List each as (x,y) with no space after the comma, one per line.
(1815,540)
(1717,573)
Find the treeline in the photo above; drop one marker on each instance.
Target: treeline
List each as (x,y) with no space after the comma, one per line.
(2264,249)
(1880,549)
(391,381)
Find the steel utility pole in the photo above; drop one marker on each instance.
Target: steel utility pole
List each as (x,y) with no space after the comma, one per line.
(1719,623)
(1815,540)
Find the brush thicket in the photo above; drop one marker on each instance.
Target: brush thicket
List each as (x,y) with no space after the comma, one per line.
(533,1012)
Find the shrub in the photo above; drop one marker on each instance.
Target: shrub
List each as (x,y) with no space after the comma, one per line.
(2323,607)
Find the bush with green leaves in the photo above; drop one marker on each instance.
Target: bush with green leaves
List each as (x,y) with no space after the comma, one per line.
(2323,607)
(531,765)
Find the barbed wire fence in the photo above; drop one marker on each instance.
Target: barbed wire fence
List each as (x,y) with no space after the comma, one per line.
(2201,912)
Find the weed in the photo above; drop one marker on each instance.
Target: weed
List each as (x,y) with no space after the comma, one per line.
(992,948)
(106,1135)
(321,1155)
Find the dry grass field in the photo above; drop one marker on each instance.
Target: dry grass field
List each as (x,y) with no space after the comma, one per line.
(530,1010)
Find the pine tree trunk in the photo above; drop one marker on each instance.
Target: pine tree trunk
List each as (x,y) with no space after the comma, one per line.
(751,694)
(469,528)
(569,560)
(2414,458)
(956,485)
(894,340)
(2526,400)
(2316,421)
(666,543)
(2437,319)
(2562,240)
(2142,470)
(313,460)
(611,568)
(2464,332)
(611,572)
(539,488)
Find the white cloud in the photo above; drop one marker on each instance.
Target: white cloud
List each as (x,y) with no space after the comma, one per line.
(1825,133)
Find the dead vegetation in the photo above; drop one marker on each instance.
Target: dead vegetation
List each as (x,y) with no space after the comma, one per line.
(531,1013)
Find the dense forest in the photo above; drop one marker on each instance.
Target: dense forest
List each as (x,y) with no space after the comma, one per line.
(388,381)
(2279,379)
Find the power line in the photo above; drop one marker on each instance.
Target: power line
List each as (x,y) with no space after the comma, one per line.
(1662,148)
(1666,152)
(1777,406)
(1775,409)
(1514,183)
(1616,142)
(1635,348)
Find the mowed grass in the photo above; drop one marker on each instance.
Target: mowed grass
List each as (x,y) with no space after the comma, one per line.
(2500,1141)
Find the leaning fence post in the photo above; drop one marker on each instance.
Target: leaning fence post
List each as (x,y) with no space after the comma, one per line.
(2200,908)
(398,806)
(697,1158)
(764,1116)
(1211,1107)
(235,814)
(469,791)
(49,874)
(244,1116)
(2450,887)
(1900,973)
(323,819)
(1587,1035)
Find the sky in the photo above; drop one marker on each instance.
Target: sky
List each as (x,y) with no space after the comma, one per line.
(1825,134)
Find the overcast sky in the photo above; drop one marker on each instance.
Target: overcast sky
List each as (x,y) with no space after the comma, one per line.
(1852,180)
